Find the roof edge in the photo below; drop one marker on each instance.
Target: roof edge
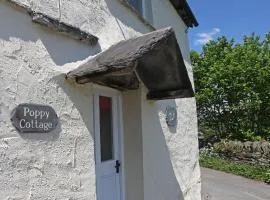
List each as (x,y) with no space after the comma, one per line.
(185,12)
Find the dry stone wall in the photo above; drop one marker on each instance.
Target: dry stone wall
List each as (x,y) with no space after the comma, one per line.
(254,152)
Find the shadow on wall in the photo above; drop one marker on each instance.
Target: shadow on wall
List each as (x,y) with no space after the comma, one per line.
(62,49)
(122,14)
(159,174)
(81,97)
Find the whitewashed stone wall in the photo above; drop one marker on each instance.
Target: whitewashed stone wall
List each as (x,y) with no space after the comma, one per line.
(178,178)
(60,165)
(171,166)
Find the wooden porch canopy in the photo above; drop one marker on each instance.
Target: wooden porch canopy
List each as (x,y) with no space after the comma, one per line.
(154,58)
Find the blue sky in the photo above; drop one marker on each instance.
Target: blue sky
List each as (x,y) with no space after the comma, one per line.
(231,18)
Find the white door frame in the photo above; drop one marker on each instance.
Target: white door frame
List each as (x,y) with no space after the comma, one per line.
(105,91)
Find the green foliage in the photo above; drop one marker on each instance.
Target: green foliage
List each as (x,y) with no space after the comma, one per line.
(261,173)
(232,83)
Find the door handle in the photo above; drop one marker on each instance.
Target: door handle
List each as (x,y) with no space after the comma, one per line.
(117,166)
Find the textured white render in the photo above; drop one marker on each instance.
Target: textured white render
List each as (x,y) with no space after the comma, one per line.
(60,164)
(161,163)
(172,160)
(165,15)
(170,154)
(133,145)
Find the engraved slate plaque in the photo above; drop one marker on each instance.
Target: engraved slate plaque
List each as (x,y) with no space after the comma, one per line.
(171,116)
(34,118)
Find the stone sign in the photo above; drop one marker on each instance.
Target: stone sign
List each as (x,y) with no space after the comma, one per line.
(171,116)
(34,118)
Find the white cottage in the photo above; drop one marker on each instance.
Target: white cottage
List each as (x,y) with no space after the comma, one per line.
(96,101)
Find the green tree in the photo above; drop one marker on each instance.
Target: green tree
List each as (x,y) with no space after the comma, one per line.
(232,83)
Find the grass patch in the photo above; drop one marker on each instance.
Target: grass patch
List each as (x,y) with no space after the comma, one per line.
(260,173)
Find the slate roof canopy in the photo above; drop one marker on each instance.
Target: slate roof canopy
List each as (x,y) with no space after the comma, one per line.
(154,58)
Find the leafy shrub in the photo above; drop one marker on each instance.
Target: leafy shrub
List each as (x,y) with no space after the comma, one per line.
(232,88)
